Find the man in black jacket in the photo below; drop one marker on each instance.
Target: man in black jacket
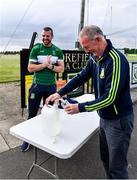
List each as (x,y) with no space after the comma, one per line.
(109,70)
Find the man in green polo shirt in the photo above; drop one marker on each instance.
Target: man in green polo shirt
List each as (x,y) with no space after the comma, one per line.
(45,60)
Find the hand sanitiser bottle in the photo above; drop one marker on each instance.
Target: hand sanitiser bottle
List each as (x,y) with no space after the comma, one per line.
(51,123)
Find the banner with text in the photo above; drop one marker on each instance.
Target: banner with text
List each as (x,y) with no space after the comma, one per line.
(74,62)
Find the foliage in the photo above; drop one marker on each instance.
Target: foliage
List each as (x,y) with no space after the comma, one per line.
(10,52)
(130,51)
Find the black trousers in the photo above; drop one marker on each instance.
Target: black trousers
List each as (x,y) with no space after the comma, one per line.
(36,93)
(114,142)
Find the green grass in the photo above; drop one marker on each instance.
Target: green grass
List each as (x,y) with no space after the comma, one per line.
(9,68)
(132,57)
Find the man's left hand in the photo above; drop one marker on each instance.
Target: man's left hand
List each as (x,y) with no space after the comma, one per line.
(71,108)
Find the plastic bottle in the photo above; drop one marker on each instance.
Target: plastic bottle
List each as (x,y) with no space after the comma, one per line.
(64,102)
(51,123)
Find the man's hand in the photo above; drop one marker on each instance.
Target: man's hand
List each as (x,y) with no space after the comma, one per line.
(71,108)
(47,62)
(52,98)
(39,67)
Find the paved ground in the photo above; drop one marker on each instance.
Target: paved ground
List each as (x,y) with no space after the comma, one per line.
(85,164)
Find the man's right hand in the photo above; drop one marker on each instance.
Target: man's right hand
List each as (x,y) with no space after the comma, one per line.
(47,62)
(52,98)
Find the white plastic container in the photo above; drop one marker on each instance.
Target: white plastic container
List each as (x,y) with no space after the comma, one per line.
(51,122)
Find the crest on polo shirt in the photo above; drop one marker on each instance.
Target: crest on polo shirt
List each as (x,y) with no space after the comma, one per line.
(53,52)
(102,73)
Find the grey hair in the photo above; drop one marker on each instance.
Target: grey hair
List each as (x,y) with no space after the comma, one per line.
(91,32)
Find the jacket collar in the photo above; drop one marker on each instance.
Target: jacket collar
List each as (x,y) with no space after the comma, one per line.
(105,53)
(107,50)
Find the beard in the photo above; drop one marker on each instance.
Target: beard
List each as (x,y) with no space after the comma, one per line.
(47,42)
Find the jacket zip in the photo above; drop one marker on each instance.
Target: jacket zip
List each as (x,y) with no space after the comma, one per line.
(98,79)
(115,109)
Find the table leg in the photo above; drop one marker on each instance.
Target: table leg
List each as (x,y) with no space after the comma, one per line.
(33,164)
(56,167)
(54,175)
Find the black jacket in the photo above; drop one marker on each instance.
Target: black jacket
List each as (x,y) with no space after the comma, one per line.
(111,80)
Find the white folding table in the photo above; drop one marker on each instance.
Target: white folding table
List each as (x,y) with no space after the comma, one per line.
(76,130)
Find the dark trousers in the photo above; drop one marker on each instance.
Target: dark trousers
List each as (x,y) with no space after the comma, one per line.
(114,142)
(36,93)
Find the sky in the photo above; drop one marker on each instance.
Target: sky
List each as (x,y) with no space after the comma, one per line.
(20,18)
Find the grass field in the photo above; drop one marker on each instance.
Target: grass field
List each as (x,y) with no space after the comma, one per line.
(132,57)
(10,67)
